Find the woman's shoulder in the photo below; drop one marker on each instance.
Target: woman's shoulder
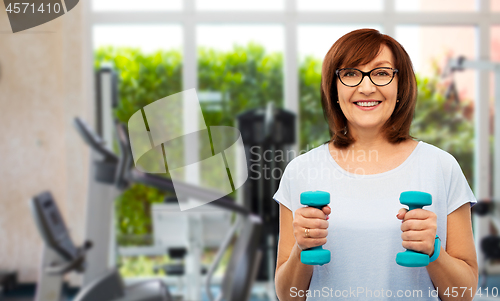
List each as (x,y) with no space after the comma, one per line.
(309,156)
(432,153)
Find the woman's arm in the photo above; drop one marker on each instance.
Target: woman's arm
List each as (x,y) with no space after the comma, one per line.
(292,277)
(455,272)
(290,272)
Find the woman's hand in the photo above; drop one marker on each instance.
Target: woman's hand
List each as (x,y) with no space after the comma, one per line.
(310,226)
(419,230)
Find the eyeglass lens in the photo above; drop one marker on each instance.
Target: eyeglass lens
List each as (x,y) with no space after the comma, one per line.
(353,77)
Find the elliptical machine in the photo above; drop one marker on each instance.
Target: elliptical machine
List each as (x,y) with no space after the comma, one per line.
(61,256)
(246,256)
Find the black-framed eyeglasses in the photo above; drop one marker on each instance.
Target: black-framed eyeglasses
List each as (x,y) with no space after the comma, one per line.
(352,77)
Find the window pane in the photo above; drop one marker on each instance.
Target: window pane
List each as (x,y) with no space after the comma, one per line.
(148,62)
(240,67)
(242,62)
(312,48)
(437,6)
(329,5)
(495,43)
(240,5)
(431,45)
(131,5)
(312,42)
(444,115)
(495,6)
(495,58)
(148,38)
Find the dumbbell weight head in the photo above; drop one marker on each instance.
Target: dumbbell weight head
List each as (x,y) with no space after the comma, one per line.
(414,200)
(316,255)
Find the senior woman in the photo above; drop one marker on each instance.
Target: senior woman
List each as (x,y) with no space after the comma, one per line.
(368,96)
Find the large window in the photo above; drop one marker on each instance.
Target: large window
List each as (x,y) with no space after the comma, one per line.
(241,55)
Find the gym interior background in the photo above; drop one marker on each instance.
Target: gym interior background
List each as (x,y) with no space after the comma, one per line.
(240,55)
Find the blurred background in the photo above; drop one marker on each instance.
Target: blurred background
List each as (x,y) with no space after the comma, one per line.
(244,58)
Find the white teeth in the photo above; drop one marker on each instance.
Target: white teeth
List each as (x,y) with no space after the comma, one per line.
(367,104)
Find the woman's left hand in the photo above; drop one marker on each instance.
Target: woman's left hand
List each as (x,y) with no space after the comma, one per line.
(419,230)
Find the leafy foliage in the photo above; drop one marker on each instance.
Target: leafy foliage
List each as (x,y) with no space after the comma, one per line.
(313,126)
(144,78)
(246,77)
(444,123)
(133,218)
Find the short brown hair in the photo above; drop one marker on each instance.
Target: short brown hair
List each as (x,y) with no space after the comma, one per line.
(360,47)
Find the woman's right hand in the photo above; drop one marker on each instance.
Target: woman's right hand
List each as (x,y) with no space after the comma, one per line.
(316,221)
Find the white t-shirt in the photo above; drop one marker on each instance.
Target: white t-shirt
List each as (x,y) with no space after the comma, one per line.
(364,234)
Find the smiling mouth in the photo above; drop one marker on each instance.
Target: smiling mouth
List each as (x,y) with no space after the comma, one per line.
(367,104)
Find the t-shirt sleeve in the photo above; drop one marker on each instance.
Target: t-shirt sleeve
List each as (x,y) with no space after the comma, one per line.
(283,194)
(459,191)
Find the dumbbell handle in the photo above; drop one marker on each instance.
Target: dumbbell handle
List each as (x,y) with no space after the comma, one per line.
(411,207)
(317,247)
(318,207)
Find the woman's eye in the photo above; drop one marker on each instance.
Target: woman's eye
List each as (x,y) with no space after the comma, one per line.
(350,74)
(382,73)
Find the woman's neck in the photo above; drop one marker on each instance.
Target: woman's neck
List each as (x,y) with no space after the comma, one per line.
(369,140)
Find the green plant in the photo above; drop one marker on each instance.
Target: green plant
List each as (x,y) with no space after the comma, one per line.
(144,78)
(247,77)
(444,123)
(142,265)
(133,214)
(313,126)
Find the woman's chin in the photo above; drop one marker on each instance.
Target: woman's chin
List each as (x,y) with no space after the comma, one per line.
(369,127)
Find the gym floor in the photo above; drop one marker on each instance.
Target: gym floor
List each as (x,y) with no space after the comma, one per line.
(27,292)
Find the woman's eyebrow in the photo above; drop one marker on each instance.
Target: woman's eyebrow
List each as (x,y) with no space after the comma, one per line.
(382,63)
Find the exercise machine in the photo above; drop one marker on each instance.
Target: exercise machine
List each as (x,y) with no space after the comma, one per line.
(112,173)
(487,218)
(8,281)
(195,230)
(61,256)
(246,255)
(99,226)
(268,134)
(488,210)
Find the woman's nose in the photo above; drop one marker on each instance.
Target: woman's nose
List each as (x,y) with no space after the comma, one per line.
(366,86)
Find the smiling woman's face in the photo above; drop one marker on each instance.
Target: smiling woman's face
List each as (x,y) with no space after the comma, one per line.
(361,118)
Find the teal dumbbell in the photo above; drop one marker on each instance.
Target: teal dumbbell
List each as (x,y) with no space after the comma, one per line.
(414,200)
(315,255)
